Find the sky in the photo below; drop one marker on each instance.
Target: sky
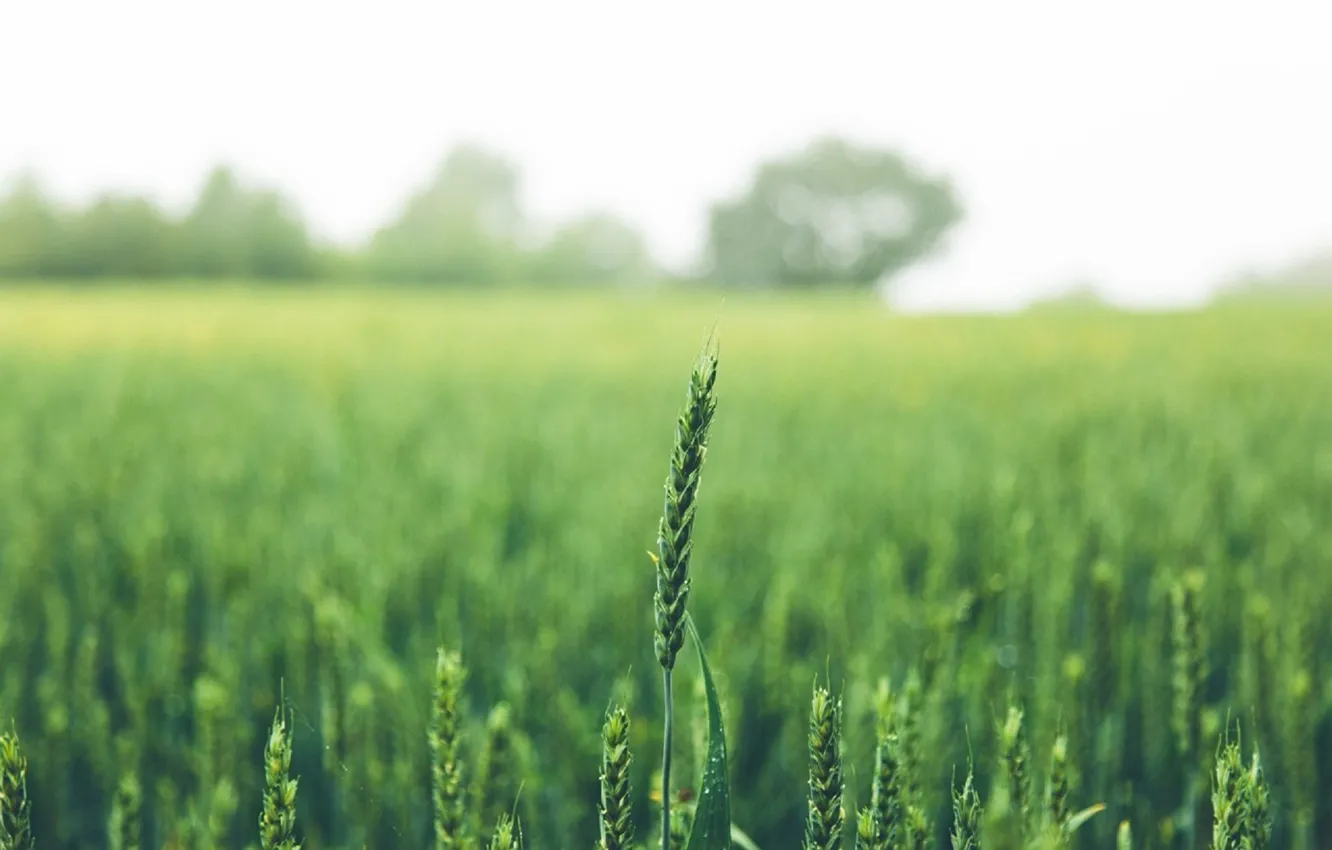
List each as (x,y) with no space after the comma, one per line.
(1149,147)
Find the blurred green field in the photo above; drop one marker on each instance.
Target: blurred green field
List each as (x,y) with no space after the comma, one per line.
(211,497)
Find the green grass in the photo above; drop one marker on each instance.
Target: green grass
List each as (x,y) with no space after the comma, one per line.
(234,493)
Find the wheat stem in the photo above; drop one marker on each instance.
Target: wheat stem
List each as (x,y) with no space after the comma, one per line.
(667,733)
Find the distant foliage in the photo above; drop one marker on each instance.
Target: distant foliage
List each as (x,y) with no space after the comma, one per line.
(465,227)
(231,232)
(237,233)
(834,213)
(34,236)
(597,249)
(1308,278)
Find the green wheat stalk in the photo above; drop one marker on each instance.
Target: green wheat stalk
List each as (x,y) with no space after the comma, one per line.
(617,828)
(674,547)
(497,775)
(508,834)
(911,708)
(1186,708)
(277,821)
(1015,756)
(15,807)
(823,827)
(886,791)
(123,829)
(1230,814)
(1241,808)
(448,791)
(1259,832)
(918,828)
(1057,794)
(967,814)
(1186,641)
(867,835)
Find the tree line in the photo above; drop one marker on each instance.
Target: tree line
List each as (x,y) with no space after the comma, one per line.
(832,213)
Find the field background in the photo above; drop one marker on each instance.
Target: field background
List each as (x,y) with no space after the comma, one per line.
(211,499)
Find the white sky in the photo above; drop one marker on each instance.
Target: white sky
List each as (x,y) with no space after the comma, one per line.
(1152,146)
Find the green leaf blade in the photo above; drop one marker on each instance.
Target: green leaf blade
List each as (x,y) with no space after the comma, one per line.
(712,816)
(1082,817)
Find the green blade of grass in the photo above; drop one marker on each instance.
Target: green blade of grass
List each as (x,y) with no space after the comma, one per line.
(1082,817)
(712,816)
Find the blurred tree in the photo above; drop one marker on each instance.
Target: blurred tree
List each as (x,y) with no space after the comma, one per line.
(279,246)
(120,236)
(32,231)
(1305,278)
(596,249)
(214,229)
(834,214)
(463,227)
(236,232)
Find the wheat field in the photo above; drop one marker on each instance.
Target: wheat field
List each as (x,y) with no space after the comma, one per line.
(218,501)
